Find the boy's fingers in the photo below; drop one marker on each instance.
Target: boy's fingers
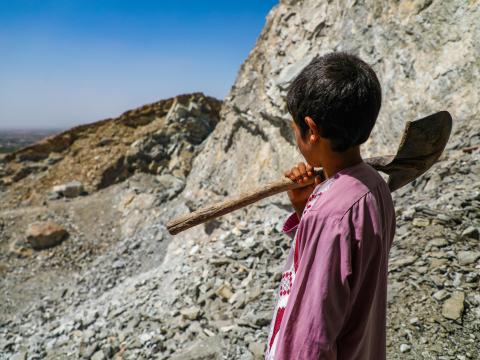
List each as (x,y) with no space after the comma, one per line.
(300,173)
(296,173)
(309,169)
(303,171)
(301,167)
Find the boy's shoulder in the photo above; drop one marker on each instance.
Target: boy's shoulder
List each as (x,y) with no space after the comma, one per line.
(352,184)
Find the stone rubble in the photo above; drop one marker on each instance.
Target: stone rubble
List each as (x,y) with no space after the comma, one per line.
(211,295)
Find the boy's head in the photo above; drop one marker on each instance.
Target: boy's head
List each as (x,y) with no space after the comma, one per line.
(341,95)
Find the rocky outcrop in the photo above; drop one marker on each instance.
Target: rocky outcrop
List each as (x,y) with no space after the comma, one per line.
(158,138)
(424,53)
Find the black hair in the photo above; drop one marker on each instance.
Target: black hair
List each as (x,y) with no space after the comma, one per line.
(341,93)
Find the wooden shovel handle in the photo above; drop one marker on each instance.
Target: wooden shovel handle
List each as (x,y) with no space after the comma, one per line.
(380,163)
(221,208)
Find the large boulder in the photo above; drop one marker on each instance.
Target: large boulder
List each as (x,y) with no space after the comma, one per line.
(43,235)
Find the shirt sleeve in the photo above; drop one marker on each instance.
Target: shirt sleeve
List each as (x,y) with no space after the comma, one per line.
(320,297)
(291,224)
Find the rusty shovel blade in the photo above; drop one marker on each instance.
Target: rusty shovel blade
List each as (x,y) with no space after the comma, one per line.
(422,143)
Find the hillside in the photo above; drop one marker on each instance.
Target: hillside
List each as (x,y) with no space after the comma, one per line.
(157,138)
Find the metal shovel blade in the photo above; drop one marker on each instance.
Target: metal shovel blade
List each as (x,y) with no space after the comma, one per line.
(422,143)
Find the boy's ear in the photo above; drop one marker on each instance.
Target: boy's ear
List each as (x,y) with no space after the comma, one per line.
(313,133)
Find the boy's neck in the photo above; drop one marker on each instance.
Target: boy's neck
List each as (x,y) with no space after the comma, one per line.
(333,162)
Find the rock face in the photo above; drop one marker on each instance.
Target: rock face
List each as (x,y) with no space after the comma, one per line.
(42,235)
(424,52)
(158,138)
(427,60)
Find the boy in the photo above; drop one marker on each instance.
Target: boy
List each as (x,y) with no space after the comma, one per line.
(335,278)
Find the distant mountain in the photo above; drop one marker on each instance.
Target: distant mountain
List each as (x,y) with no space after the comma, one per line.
(14,139)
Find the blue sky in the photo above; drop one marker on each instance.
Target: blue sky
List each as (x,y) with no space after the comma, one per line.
(68,62)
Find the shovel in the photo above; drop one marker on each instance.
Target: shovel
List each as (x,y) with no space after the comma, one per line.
(422,143)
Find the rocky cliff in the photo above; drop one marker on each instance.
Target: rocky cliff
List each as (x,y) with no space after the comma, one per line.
(427,59)
(121,287)
(424,52)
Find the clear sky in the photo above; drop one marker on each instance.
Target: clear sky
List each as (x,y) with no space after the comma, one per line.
(68,62)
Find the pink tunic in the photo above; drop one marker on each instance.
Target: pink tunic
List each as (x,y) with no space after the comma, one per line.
(331,301)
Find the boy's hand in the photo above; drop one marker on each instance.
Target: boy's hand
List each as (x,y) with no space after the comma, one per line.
(301,174)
